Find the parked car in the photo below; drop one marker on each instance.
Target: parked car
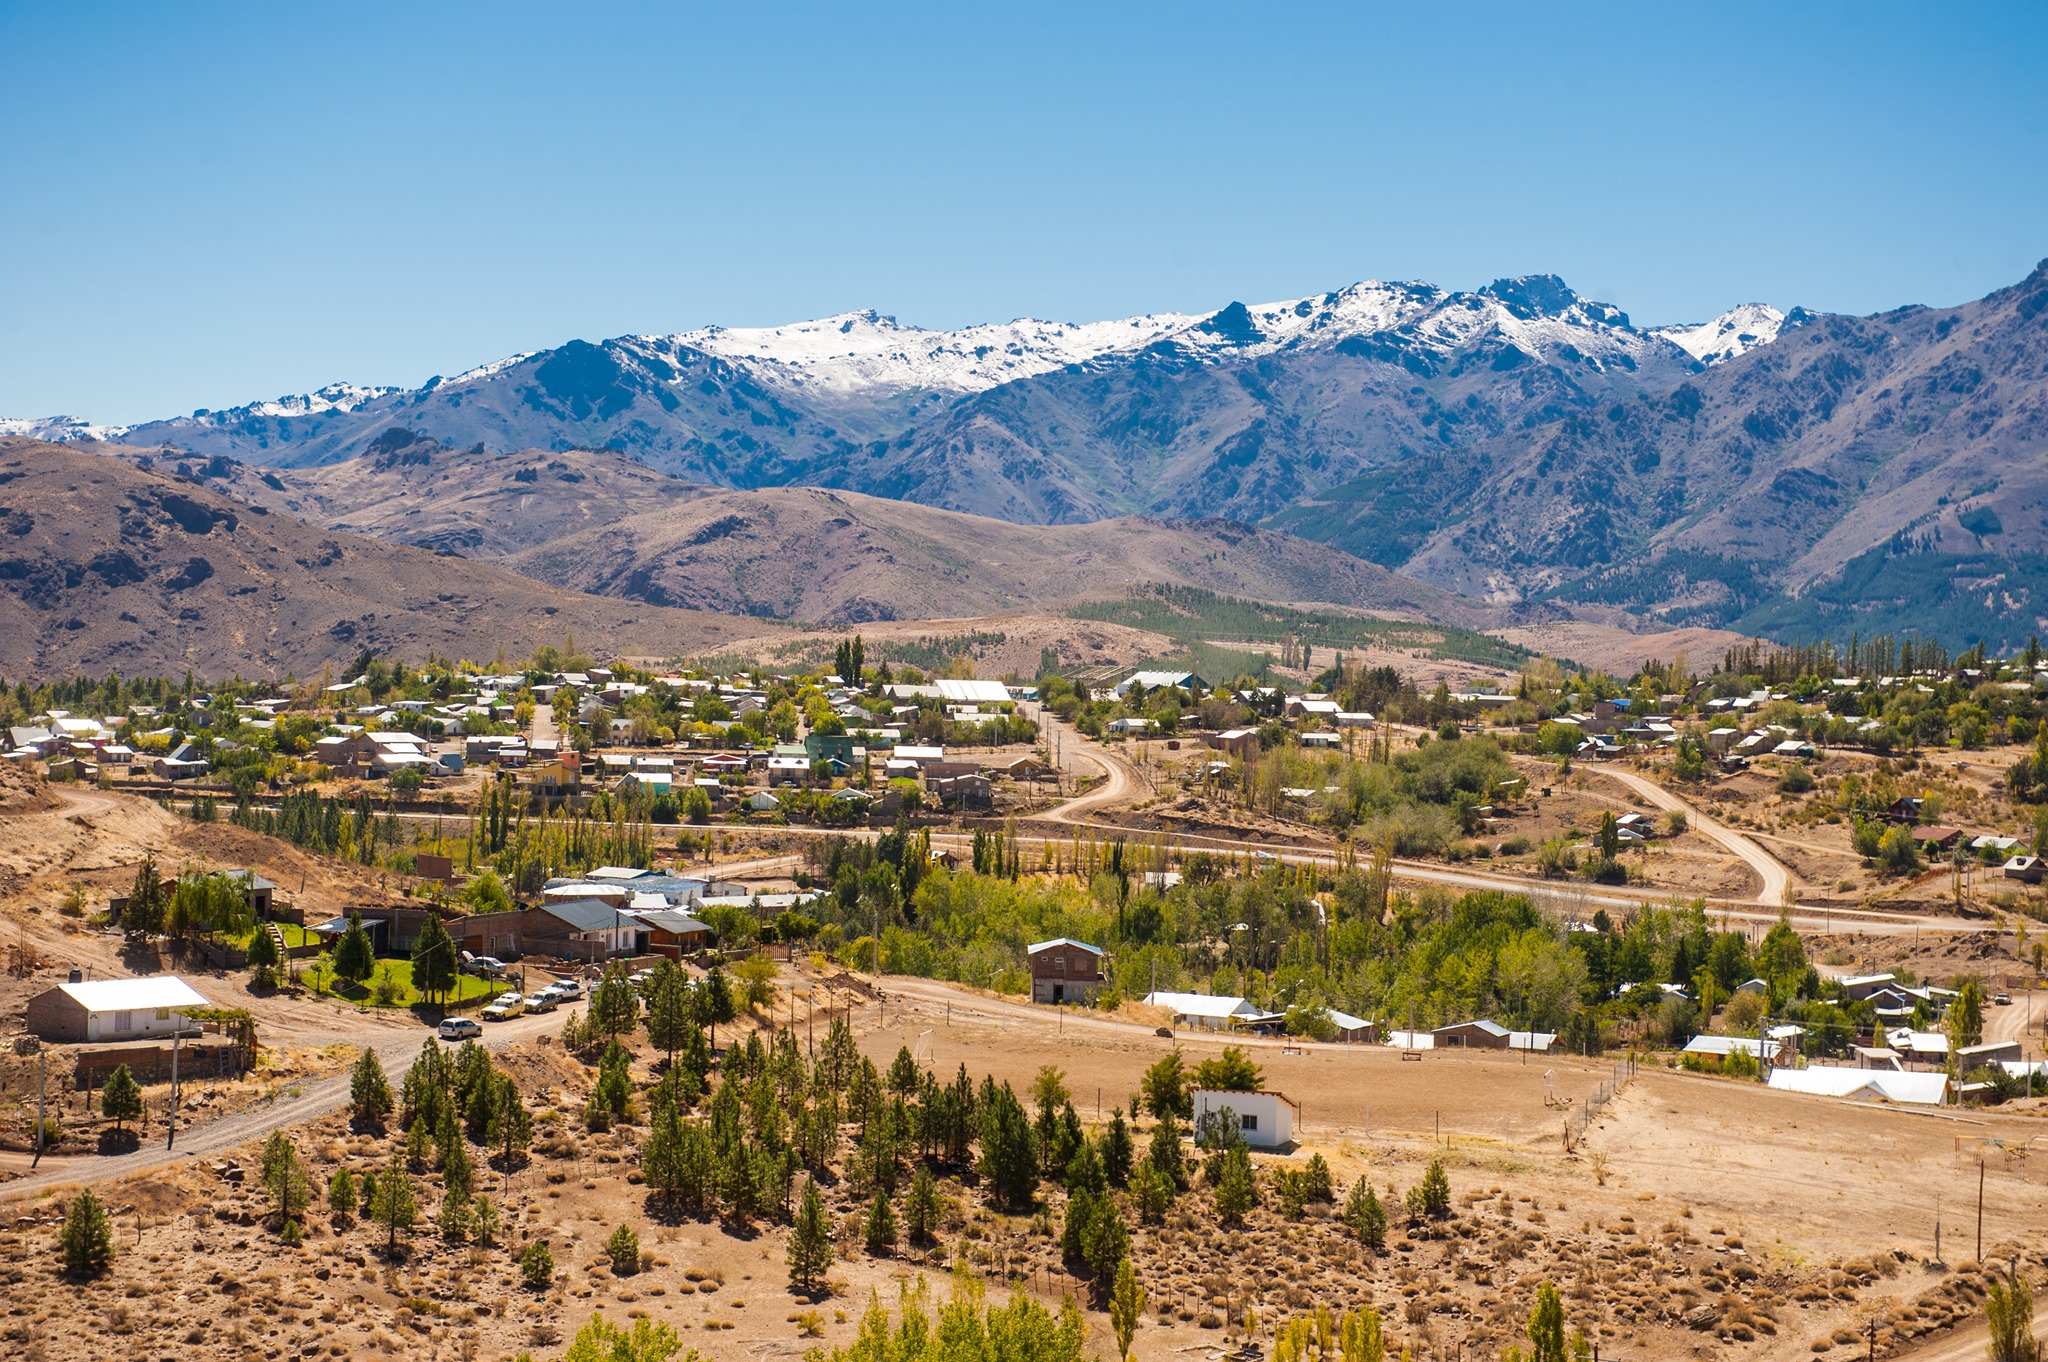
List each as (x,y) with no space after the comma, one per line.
(2002,999)
(459,1028)
(507,1006)
(543,1001)
(567,990)
(487,966)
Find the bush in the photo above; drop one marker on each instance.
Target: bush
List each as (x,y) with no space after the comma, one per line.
(1797,780)
(623,1248)
(537,1265)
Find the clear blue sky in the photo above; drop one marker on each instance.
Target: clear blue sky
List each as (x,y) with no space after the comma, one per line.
(204,205)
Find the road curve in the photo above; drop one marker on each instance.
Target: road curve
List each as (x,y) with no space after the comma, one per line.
(1778,882)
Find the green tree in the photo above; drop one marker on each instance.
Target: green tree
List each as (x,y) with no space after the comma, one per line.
(284,1178)
(1232,1071)
(2009,1311)
(87,1239)
(1966,1015)
(341,1193)
(810,1242)
(537,1265)
(623,1248)
(661,1158)
(511,1126)
(1126,1308)
(644,1340)
(1234,1190)
(121,1098)
(1546,1326)
(369,1093)
(614,1006)
(434,965)
(263,958)
(880,1230)
(1151,1192)
(1117,1149)
(714,1002)
(668,1010)
(1166,1089)
(1009,1155)
(143,914)
(355,959)
(1365,1216)
(1165,1153)
(1436,1191)
(395,1204)
(922,1208)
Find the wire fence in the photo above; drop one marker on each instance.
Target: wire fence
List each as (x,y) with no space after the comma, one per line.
(1580,1117)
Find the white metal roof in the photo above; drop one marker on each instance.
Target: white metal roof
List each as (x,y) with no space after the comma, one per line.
(974,692)
(1924,1089)
(1062,941)
(1199,1004)
(134,995)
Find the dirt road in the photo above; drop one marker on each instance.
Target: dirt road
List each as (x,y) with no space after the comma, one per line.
(396,1044)
(1777,880)
(1078,756)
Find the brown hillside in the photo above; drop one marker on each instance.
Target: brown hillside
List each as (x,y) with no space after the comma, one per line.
(837,558)
(106,565)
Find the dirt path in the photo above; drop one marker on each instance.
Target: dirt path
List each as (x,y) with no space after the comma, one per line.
(543,728)
(1121,784)
(1777,880)
(297,1103)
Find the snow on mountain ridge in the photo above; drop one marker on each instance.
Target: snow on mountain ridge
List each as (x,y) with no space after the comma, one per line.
(59,429)
(866,350)
(1735,331)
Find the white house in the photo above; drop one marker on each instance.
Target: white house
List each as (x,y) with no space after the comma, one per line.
(1202,1009)
(114,1009)
(1266,1118)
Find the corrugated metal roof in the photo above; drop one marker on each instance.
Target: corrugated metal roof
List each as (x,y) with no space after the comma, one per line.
(134,995)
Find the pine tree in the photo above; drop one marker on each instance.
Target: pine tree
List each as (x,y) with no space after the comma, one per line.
(121,1098)
(143,914)
(1436,1191)
(369,1094)
(1117,1150)
(668,1011)
(284,1178)
(715,1002)
(810,1242)
(537,1265)
(341,1193)
(880,1231)
(395,1204)
(1366,1217)
(434,966)
(1009,1155)
(511,1126)
(1165,1153)
(1151,1192)
(922,1209)
(1234,1191)
(263,958)
(614,1006)
(87,1238)
(623,1248)
(355,959)
(661,1158)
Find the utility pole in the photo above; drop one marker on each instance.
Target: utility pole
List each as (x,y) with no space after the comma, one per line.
(1980,1208)
(42,1072)
(171,1124)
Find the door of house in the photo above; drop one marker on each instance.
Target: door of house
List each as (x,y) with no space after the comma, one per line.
(1059,994)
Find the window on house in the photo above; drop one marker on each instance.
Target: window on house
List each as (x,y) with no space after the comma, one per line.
(124,1021)
(1059,962)
(1249,1123)
(163,1014)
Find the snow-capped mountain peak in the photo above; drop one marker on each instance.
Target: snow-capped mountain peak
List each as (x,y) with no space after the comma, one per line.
(1735,331)
(856,351)
(58,429)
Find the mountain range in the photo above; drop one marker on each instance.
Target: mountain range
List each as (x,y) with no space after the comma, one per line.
(1784,471)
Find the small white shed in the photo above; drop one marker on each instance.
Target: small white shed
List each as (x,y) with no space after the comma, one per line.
(1266,1118)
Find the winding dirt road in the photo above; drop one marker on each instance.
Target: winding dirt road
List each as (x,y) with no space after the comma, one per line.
(1777,880)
